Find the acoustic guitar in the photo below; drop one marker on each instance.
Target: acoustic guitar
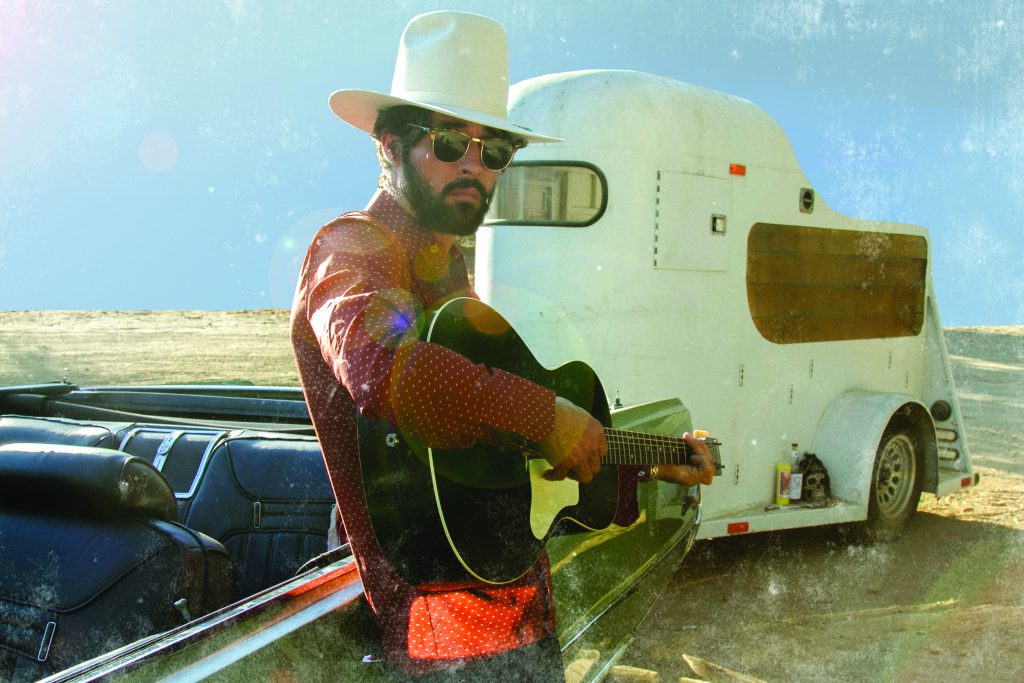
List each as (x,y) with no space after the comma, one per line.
(485,512)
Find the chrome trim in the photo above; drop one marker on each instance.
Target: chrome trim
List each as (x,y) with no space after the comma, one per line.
(685,540)
(613,659)
(218,438)
(128,437)
(612,604)
(164,448)
(163,451)
(122,659)
(47,640)
(217,661)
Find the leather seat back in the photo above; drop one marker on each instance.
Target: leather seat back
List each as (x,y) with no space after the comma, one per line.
(268,500)
(56,430)
(92,557)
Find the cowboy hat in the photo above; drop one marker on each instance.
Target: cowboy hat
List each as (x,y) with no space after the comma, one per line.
(454,63)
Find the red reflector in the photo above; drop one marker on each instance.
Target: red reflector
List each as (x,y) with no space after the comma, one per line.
(738,527)
(965,482)
(737,169)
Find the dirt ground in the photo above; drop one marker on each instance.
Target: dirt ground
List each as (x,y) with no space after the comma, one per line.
(944,603)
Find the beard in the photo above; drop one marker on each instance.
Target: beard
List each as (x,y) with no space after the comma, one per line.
(463,218)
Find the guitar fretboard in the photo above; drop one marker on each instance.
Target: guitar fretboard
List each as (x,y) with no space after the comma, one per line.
(638,448)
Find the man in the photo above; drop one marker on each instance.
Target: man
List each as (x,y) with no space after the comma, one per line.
(442,138)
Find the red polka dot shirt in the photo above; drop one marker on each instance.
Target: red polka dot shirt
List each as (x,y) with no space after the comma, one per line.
(366,280)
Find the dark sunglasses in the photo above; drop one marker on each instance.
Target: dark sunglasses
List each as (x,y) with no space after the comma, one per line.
(451,145)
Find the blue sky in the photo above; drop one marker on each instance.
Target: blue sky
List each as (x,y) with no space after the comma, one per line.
(173,154)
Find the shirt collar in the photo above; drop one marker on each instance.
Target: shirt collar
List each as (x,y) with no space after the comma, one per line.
(385,208)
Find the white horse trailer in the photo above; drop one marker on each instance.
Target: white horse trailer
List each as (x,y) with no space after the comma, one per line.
(673,243)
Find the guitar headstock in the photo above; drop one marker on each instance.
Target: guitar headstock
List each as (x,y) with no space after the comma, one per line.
(713,445)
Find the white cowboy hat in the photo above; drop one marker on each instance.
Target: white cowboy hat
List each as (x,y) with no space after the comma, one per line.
(454,63)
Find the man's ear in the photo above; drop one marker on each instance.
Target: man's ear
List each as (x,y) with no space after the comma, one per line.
(389,146)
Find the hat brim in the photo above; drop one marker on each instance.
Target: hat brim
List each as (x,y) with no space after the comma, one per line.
(360,108)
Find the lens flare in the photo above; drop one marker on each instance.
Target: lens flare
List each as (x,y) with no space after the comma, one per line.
(8,37)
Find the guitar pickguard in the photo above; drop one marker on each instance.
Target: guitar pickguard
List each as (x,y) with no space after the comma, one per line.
(548,498)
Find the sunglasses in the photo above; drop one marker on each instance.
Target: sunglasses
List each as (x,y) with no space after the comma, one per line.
(451,145)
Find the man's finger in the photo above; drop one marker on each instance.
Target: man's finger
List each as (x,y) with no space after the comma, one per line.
(559,471)
(584,474)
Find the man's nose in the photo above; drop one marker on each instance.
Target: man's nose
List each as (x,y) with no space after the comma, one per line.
(470,164)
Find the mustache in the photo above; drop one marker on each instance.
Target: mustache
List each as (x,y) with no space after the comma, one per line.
(464,183)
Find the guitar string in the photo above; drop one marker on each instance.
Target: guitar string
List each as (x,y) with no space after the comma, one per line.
(625,447)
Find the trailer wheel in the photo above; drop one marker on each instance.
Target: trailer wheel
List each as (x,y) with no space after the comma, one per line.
(895,483)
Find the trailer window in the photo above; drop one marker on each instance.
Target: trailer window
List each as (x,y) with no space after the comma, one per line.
(808,284)
(567,194)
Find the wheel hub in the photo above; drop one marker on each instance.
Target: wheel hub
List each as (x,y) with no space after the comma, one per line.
(894,479)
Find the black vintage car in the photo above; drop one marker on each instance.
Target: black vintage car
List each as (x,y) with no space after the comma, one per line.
(157,531)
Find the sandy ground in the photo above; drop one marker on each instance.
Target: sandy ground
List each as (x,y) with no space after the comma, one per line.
(944,603)
(146,347)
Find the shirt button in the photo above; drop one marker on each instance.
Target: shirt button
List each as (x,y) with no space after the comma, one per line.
(434,248)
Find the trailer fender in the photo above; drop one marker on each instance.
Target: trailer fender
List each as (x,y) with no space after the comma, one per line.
(850,431)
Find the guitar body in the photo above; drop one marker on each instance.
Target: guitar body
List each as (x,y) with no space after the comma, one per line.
(484,512)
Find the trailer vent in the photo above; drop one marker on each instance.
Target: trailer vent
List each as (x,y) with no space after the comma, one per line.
(806,200)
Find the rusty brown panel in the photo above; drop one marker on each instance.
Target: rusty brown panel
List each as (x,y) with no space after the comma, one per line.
(802,330)
(833,269)
(798,239)
(821,284)
(810,301)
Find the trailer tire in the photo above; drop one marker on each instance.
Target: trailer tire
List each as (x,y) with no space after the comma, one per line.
(895,483)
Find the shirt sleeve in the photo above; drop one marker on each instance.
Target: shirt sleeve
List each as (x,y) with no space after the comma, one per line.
(366,321)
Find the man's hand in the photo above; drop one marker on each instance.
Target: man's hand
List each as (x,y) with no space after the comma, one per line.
(702,471)
(575,446)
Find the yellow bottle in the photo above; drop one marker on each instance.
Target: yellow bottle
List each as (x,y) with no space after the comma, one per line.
(783,477)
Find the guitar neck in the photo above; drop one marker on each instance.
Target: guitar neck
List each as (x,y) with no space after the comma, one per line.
(638,448)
